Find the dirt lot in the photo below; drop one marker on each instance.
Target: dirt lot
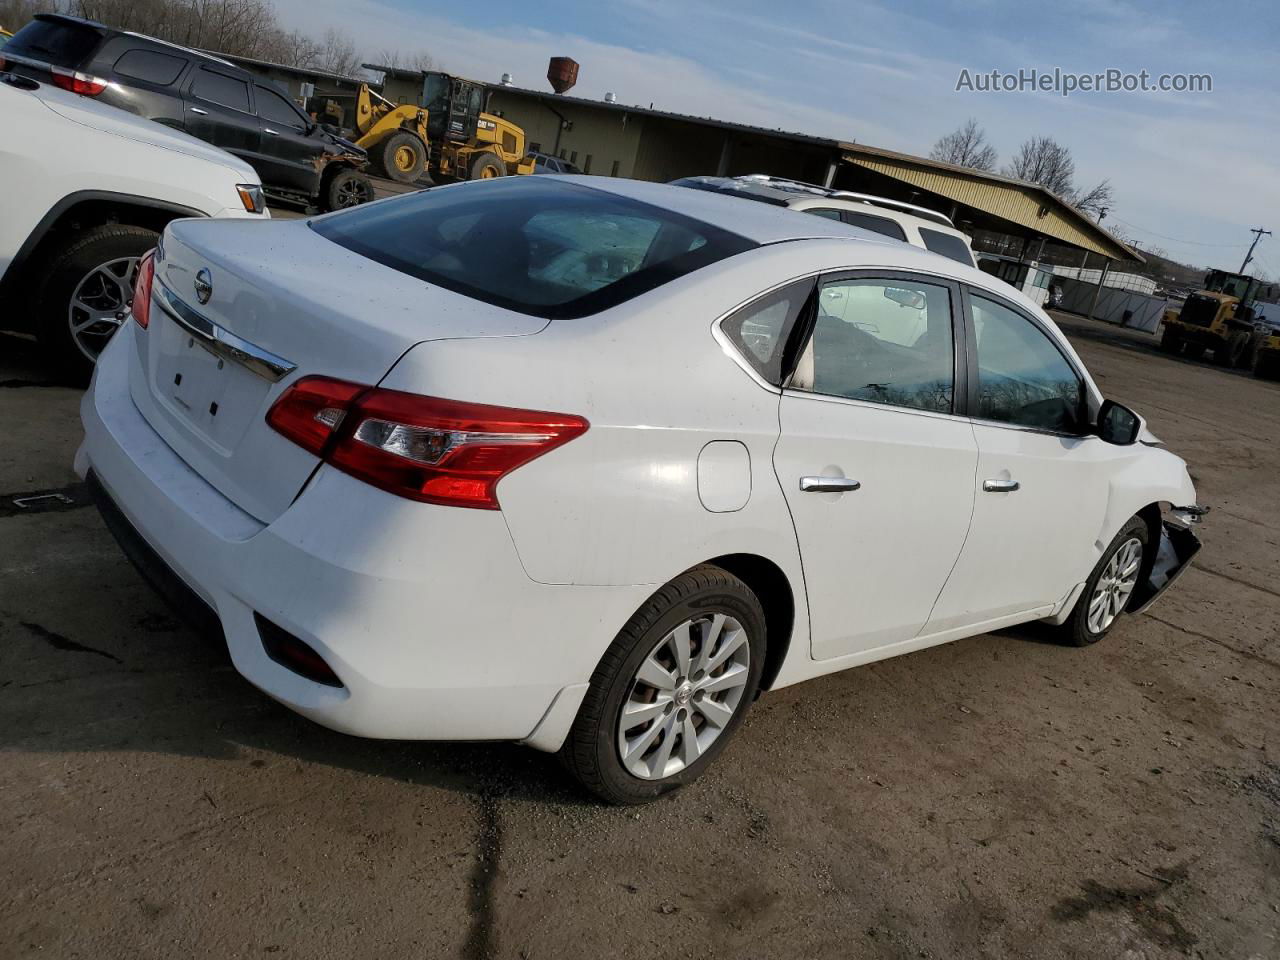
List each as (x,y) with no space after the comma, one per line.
(1002,796)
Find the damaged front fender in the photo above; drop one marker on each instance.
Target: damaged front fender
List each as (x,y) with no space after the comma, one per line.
(1178,545)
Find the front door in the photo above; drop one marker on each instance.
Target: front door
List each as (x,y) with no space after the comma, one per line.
(876,469)
(1042,481)
(287,152)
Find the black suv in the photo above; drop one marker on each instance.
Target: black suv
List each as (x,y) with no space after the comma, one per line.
(201,94)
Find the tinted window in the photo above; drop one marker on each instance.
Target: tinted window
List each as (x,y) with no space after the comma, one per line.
(538,245)
(1022,376)
(760,329)
(883,225)
(886,341)
(157,68)
(51,41)
(273,107)
(219,88)
(947,244)
(827,212)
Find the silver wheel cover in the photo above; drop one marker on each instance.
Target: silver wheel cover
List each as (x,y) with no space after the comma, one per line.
(683,696)
(99,304)
(1118,579)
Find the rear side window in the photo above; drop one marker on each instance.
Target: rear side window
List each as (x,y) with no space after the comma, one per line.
(760,329)
(947,244)
(54,41)
(828,212)
(273,107)
(881,225)
(536,245)
(150,66)
(222,89)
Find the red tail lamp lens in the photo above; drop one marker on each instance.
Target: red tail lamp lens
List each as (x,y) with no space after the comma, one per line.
(141,307)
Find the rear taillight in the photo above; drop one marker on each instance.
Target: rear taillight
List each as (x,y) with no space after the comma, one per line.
(77,82)
(141,307)
(422,448)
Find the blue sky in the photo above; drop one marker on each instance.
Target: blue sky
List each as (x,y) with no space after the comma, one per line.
(1191,172)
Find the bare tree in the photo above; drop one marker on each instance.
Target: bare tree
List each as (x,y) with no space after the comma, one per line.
(337,54)
(405,61)
(966,146)
(1095,200)
(1044,161)
(14,14)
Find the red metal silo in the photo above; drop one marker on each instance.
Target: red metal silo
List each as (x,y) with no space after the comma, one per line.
(563,73)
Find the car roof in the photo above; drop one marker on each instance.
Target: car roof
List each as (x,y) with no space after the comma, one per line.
(759,222)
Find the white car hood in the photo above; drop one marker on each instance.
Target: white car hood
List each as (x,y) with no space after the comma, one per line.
(120,123)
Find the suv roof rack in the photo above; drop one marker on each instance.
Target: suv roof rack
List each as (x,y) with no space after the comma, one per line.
(789,186)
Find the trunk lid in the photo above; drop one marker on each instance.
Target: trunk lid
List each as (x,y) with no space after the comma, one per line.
(289,303)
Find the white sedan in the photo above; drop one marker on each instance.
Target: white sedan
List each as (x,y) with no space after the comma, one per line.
(589,463)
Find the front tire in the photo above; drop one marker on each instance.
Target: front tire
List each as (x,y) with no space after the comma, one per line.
(671,690)
(402,157)
(1232,352)
(1171,340)
(347,188)
(1110,586)
(85,294)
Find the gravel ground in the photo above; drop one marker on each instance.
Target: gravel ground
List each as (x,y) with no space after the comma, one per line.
(1000,796)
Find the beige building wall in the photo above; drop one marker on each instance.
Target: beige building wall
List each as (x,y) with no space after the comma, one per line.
(609,138)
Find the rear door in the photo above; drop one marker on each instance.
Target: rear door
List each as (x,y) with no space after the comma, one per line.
(1042,481)
(286,149)
(218,109)
(876,467)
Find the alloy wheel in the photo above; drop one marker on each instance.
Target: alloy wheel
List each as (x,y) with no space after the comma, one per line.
(683,695)
(1118,579)
(100,303)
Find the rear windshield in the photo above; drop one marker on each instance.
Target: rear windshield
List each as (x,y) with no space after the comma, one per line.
(947,244)
(536,245)
(56,42)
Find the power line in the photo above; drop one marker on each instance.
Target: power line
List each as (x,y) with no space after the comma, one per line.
(1193,243)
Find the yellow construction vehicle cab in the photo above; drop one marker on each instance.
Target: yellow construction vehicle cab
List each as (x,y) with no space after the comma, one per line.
(448,136)
(1220,317)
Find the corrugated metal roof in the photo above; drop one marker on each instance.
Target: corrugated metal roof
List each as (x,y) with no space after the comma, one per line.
(1018,202)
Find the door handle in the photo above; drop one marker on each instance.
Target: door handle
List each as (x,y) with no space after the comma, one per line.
(203,113)
(828,484)
(1000,486)
(270,131)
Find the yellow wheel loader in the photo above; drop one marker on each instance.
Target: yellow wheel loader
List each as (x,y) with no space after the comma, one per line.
(448,137)
(1221,317)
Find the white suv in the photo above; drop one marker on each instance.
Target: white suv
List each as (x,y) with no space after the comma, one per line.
(88,188)
(918,226)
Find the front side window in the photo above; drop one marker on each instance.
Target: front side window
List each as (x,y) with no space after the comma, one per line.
(537,245)
(760,329)
(883,341)
(275,108)
(1023,378)
(946,244)
(219,88)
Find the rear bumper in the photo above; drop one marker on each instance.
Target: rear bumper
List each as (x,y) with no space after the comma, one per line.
(423,612)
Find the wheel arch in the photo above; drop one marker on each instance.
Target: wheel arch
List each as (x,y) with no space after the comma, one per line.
(770,585)
(86,209)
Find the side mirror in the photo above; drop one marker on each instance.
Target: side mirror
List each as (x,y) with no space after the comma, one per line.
(1118,424)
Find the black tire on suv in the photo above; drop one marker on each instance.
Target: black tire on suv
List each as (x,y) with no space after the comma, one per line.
(82,290)
(346,188)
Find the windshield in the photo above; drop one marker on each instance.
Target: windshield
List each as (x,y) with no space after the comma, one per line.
(536,245)
(1233,285)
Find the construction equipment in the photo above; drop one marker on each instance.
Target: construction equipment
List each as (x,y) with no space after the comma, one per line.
(449,136)
(1221,317)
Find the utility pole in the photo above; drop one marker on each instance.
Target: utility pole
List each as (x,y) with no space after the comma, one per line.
(1259,233)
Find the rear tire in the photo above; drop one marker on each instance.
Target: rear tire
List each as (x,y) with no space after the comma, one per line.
(402,157)
(681,711)
(1193,351)
(486,167)
(1267,367)
(86,285)
(345,189)
(1106,586)
(1171,341)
